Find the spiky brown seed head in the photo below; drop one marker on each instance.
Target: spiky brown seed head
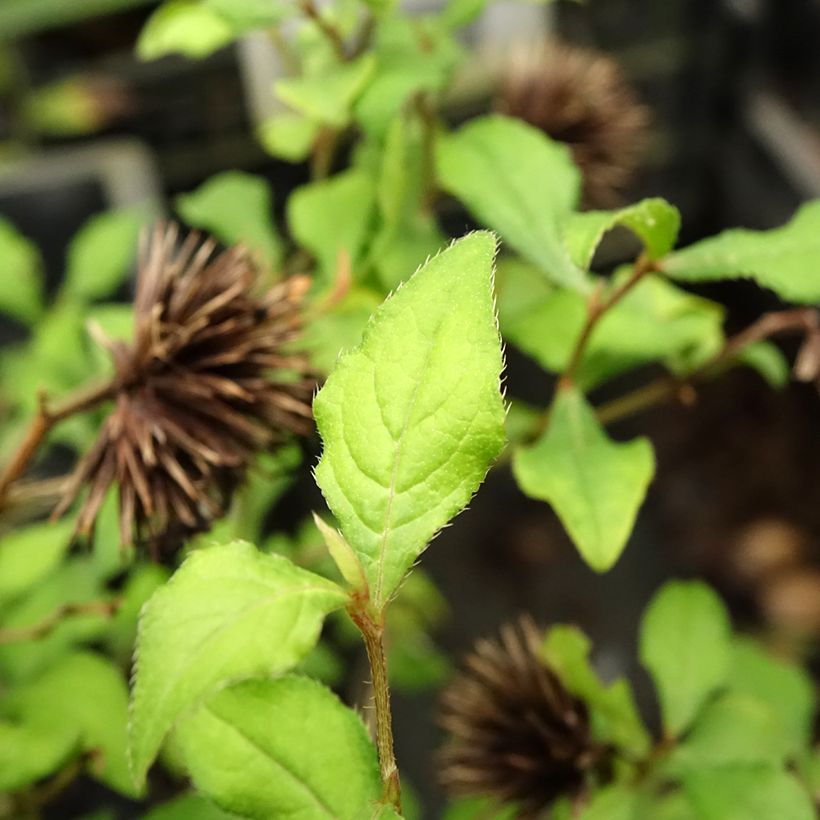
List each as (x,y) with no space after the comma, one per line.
(204,386)
(514,732)
(581,98)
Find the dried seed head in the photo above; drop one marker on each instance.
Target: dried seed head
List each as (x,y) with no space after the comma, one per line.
(580,97)
(204,386)
(515,733)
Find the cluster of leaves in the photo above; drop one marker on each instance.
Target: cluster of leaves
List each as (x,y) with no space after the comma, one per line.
(736,721)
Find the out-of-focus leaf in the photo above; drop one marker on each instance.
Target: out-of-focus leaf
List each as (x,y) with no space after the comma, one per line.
(21,285)
(288,136)
(184,27)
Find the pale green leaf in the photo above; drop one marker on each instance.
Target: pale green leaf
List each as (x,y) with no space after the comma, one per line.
(517,181)
(685,644)
(21,285)
(768,360)
(282,748)
(87,696)
(333,217)
(237,208)
(750,792)
(342,554)
(288,136)
(328,97)
(228,613)
(101,254)
(782,259)
(458,13)
(188,807)
(184,27)
(30,753)
(784,687)
(613,802)
(654,221)
(479,808)
(29,554)
(250,14)
(413,417)
(613,714)
(594,484)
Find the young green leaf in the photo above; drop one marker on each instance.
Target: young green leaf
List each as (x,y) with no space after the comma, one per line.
(328,97)
(747,792)
(413,417)
(768,360)
(615,802)
(249,14)
(21,286)
(342,554)
(85,695)
(228,613)
(235,207)
(518,182)
(654,221)
(784,687)
(783,259)
(685,644)
(288,136)
(613,714)
(183,27)
(188,807)
(595,485)
(30,753)
(282,748)
(29,554)
(333,216)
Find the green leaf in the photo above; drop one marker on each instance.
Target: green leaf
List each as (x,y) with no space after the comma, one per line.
(458,13)
(654,221)
(188,807)
(595,485)
(29,753)
(282,748)
(685,644)
(750,792)
(29,554)
(731,729)
(245,15)
(333,216)
(614,716)
(235,207)
(517,181)
(479,808)
(101,254)
(328,97)
(782,686)
(86,696)
(342,554)
(184,27)
(413,417)
(768,360)
(228,613)
(614,802)
(288,136)
(782,259)
(655,321)
(21,285)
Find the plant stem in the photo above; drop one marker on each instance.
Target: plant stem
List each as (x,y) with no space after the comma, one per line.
(15,634)
(373,634)
(334,37)
(42,423)
(597,309)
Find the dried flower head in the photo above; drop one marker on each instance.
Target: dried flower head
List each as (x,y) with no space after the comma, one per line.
(580,97)
(515,733)
(203,387)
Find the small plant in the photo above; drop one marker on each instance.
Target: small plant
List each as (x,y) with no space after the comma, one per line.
(183,417)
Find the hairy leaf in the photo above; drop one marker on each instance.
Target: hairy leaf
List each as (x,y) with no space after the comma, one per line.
(228,613)
(685,644)
(517,181)
(235,207)
(594,484)
(282,748)
(782,259)
(413,417)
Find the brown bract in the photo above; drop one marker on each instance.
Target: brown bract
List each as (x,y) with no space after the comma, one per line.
(514,732)
(581,98)
(204,386)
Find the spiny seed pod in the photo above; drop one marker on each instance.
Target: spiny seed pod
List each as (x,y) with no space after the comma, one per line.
(581,98)
(514,732)
(204,386)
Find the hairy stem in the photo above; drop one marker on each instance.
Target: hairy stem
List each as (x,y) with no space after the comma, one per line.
(15,634)
(44,420)
(373,634)
(597,309)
